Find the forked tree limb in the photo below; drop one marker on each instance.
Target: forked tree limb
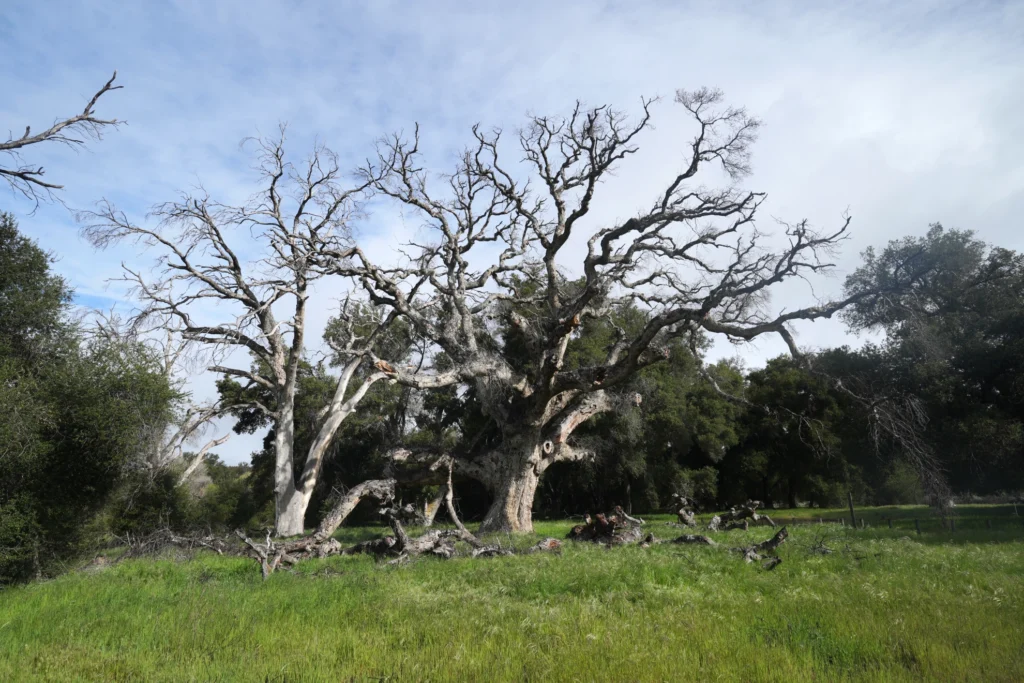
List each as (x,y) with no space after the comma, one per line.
(28,180)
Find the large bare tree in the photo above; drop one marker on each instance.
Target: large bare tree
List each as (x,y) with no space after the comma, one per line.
(238,278)
(500,257)
(30,180)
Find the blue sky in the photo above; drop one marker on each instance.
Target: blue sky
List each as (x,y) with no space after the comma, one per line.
(905,113)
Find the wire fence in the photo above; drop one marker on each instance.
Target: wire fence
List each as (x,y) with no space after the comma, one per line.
(918,525)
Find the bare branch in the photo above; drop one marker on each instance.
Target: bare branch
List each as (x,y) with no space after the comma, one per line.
(29,180)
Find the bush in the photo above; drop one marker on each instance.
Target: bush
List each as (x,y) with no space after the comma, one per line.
(902,486)
(19,541)
(227,502)
(822,492)
(148,503)
(700,486)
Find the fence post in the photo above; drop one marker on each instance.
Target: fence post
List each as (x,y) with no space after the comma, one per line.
(862,525)
(849,499)
(988,523)
(917,525)
(890,522)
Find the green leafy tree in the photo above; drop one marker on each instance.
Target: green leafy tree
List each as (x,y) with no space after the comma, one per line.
(73,415)
(955,339)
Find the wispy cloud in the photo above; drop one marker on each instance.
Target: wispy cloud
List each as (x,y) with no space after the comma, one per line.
(904,112)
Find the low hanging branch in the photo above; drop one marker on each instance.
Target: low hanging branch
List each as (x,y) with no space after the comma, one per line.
(438,542)
(320,544)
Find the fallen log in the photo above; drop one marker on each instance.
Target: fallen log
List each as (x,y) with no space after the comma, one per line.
(618,528)
(320,543)
(736,516)
(400,546)
(756,552)
(684,510)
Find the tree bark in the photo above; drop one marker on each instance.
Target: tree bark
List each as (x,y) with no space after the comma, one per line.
(289,503)
(514,485)
(430,509)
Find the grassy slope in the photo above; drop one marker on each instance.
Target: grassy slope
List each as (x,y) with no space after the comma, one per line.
(884,606)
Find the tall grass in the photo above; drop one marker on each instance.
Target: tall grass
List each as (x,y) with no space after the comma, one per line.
(884,605)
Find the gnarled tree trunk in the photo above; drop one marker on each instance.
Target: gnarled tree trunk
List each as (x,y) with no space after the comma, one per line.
(513,474)
(512,507)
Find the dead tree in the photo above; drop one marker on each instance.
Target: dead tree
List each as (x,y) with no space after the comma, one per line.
(28,179)
(226,272)
(694,259)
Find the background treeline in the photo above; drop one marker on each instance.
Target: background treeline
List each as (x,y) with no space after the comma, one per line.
(81,413)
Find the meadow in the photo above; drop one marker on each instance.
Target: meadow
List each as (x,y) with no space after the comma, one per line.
(883,605)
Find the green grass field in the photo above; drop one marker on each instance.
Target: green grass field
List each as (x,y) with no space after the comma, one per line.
(886,605)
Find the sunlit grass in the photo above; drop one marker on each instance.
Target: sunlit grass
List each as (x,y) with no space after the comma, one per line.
(885,605)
